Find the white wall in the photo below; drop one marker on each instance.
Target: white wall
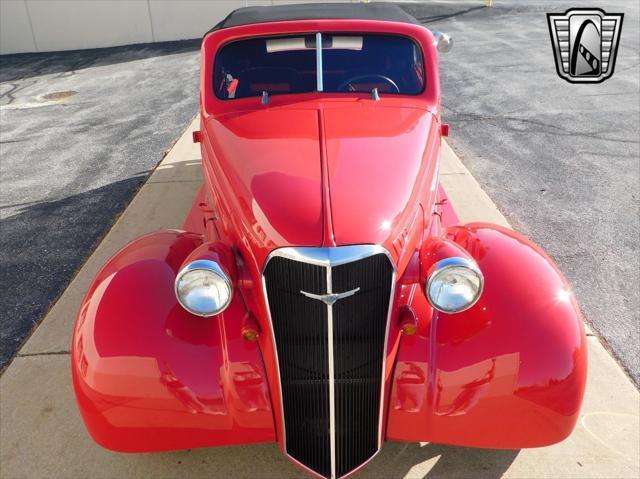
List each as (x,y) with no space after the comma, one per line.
(15,29)
(51,25)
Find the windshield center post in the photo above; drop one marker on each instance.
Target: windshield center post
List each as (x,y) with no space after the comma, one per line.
(319,85)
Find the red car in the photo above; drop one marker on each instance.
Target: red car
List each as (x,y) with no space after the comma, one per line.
(323,293)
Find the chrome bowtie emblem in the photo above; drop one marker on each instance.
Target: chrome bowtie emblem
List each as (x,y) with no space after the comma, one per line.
(585,43)
(331,298)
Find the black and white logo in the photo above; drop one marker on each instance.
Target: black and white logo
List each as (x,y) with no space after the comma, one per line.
(585,43)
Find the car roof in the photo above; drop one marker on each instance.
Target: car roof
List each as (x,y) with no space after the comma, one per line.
(316,11)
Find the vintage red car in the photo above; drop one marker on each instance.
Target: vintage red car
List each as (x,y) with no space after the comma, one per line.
(323,293)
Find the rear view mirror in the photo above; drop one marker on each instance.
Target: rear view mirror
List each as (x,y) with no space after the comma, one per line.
(444,43)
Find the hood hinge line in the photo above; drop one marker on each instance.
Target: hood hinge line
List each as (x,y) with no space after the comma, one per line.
(328,237)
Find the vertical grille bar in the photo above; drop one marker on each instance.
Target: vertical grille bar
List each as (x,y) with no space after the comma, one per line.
(330,351)
(332,387)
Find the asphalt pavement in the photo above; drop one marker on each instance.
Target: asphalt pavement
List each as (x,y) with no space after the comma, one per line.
(79,132)
(560,160)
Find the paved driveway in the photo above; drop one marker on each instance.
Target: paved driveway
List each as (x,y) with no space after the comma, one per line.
(72,161)
(560,160)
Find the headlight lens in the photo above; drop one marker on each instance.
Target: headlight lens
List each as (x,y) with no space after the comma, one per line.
(455,285)
(203,288)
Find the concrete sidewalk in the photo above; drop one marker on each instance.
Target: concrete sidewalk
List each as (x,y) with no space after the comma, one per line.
(42,435)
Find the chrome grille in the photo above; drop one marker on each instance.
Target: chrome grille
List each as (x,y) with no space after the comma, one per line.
(330,354)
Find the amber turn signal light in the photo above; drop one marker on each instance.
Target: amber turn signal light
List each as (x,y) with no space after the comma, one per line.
(250,329)
(408,321)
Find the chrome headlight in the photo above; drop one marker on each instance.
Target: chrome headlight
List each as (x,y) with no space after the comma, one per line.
(455,285)
(203,288)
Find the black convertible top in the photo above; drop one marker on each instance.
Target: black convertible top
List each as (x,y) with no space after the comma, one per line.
(316,11)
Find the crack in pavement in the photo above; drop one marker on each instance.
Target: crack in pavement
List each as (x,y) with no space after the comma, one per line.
(49,353)
(546,128)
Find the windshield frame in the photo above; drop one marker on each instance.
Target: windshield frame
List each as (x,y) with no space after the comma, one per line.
(320,63)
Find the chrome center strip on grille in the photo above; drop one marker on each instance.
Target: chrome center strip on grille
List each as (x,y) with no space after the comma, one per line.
(328,258)
(332,378)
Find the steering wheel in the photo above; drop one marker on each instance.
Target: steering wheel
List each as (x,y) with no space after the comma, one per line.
(347,84)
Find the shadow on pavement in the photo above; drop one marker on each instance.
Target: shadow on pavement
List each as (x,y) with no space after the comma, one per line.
(396,460)
(415,460)
(445,13)
(436,11)
(40,253)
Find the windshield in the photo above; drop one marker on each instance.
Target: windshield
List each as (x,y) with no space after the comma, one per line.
(293,64)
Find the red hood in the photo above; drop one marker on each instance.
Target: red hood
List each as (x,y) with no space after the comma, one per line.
(376,175)
(366,158)
(268,168)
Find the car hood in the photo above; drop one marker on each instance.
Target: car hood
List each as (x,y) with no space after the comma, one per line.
(376,170)
(324,176)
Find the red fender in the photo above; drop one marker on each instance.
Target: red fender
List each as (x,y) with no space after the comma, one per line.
(150,376)
(509,372)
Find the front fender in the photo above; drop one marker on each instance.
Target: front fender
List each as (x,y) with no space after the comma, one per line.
(150,376)
(508,373)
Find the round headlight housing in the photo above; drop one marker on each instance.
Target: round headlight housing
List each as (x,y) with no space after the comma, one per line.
(455,285)
(203,288)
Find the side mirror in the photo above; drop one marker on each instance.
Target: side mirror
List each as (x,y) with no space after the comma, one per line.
(444,43)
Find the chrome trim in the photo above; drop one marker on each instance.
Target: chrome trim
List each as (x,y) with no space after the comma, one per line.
(330,298)
(443,42)
(319,73)
(385,352)
(330,257)
(332,377)
(275,352)
(204,265)
(455,262)
(334,256)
